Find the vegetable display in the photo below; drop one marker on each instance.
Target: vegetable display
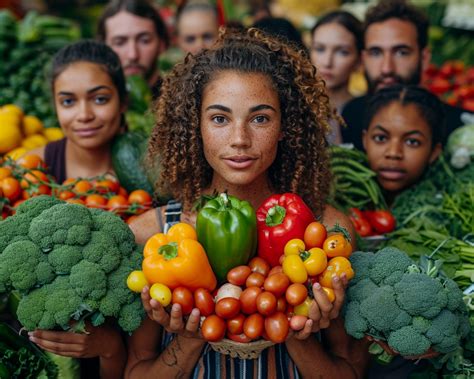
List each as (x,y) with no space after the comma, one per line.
(279,219)
(393,300)
(226,227)
(70,263)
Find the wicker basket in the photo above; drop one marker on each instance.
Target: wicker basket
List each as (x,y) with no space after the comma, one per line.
(241,350)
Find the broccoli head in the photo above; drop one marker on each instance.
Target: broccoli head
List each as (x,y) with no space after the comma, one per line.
(386,263)
(63,223)
(36,205)
(88,280)
(408,341)
(103,250)
(420,295)
(63,257)
(446,331)
(18,265)
(131,315)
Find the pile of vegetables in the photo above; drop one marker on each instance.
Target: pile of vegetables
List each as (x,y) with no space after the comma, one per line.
(27,178)
(26,47)
(69,263)
(412,310)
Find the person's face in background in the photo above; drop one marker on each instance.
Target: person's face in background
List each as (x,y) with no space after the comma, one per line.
(334,53)
(399,146)
(197,30)
(87,105)
(136,42)
(392,55)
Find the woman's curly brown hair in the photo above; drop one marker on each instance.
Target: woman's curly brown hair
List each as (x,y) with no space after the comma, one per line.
(302,162)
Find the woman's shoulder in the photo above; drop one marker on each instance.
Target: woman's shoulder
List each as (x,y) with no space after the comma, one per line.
(146,225)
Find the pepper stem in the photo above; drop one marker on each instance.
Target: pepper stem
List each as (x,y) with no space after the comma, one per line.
(169,251)
(275,215)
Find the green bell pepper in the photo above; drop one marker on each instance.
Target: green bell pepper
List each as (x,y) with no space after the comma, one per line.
(227,228)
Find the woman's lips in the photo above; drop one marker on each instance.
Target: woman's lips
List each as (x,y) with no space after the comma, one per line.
(239,162)
(87,132)
(391,174)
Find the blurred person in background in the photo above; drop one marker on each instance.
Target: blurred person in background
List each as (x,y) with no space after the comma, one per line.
(395,52)
(336,45)
(197,26)
(136,32)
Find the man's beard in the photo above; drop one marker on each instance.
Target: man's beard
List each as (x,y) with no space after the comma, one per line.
(414,78)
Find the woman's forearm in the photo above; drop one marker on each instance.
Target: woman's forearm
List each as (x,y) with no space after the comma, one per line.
(176,361)
(112,362)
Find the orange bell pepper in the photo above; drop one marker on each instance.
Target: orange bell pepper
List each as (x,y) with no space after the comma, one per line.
(174,264)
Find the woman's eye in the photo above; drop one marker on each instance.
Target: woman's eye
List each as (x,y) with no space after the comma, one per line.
(319,49)
(219,119)
(101,100)
(413,142)
(66,102)
(260,119)
(344,53)
(379,138)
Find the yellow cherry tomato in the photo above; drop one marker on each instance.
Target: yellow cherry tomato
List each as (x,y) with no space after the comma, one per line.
(294,247)
(293,267)
(336,266)
(315,260)
(161,293)
(303,308)
(136,281)
(337,245)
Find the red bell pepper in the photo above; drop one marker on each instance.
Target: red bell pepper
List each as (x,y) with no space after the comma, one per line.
(279,219)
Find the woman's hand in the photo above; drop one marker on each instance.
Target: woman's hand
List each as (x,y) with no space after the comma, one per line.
(101,341)
(174,321)
(322,311)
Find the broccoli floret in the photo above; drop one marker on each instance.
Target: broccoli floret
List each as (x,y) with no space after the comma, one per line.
(63,257)
(34,206)
(136,258)
(62,301)
(386,262)
(361,290)
(382,312)
(114,226)
(408,341)
(18,265)
(44,273)
(61,224)
(454,295)
(13,229)
(444,325)
(31,308)
(131,315)
(360,262)
(421,324)
(354,323)
(102,250)
(88,280)
(420,295)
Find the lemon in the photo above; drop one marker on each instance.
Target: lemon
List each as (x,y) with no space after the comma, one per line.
(32,125)
(12,109)
(10,137)
(53,134)
(7,118)
(34,141)
(15,154)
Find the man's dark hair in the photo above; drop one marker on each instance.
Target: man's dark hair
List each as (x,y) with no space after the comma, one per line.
(140,8)
(429,105)
(403,10)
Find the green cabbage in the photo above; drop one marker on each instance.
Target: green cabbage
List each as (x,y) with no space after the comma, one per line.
(460,146)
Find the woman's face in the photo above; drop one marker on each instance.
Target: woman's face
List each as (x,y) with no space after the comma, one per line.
(87,105)
(399,146)
(240,127)
(197,30)
(334,53)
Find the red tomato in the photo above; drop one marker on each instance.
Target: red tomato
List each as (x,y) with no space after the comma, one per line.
(11,188)
(255,279)
(96,201)
(248,300)
(238,275)
(204,301)
(382,221)
(281,304)
(253,326)
(213,328)
(314,235)
(277,327)
(107,185)
(276,284)
(296,294)
(183,297)
(364,229)
(266,303)
(275,270)
(439,86)
(242,338)
(235,325)
(227,307)
(468,104)
(64,195)
(260,265)
(117,203)
(140,197)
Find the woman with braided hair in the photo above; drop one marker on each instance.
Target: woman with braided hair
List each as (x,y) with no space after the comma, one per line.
(249,116)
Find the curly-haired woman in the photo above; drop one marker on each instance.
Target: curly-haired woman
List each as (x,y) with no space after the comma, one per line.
(248,116)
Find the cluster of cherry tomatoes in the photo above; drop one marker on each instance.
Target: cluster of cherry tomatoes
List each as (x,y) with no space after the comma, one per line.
(259,301)
(369,223)
(28,178)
